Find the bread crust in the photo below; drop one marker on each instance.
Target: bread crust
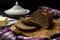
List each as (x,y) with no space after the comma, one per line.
(29,21)
(25,28)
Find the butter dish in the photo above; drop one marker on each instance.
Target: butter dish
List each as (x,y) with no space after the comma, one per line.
(7,21)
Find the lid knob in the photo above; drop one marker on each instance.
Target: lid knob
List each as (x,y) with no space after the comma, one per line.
(16,3)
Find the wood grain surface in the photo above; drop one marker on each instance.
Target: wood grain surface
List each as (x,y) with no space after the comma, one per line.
(41,33)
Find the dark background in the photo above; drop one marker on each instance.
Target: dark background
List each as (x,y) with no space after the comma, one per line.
(30,4)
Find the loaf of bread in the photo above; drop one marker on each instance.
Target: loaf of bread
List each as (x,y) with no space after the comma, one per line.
(42,18)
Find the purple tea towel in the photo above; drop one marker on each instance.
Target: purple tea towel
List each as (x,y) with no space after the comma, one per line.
(29,38)
(58,38)
(54,12)
(7,34)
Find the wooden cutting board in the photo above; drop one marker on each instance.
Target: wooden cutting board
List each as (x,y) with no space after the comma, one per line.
(41,33)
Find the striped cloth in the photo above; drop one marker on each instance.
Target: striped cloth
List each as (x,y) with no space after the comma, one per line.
(7,34)
(54,12)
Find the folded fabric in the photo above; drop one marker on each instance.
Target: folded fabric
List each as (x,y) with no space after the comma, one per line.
(7,34)
(58,38)
(54,12)
(29,38)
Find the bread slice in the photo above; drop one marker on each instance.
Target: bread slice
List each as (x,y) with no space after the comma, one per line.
(24,27)
(28,21)
(42,18)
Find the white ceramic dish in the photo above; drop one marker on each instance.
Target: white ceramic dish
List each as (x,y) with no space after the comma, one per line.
(11,21)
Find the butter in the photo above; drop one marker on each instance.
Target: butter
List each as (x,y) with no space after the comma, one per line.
(3,21)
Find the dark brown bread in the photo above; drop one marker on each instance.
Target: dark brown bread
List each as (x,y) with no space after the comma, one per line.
(42,18)
(28,21)
(25,27)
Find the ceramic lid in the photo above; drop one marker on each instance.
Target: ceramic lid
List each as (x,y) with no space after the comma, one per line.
(16,10)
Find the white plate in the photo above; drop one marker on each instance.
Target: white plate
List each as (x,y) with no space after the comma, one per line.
(11,21)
